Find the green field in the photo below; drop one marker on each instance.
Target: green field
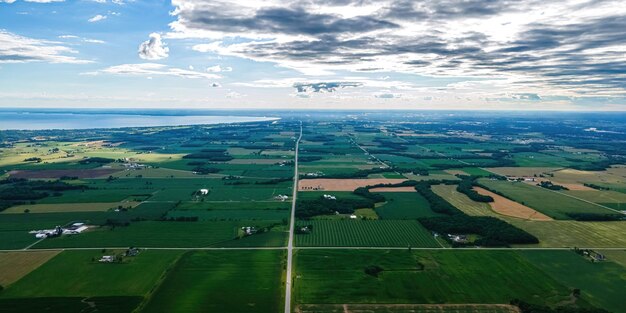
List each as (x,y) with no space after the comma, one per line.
(439,276)
(363,233)
(404,205)
(545,201)
(196,256)
(154,234)
(78,273)
(221,281)
(122,304)
(407,308)
(462,202)
(601,283)
(575,234)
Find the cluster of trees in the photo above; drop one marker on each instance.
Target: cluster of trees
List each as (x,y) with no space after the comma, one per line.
(206,170)
(357,174)
(309,158)
(365,193)
(465,187)
(526,307)
(373,270)
(437,203)
(549,185)
(181,219)
(322,206)
(599,217)
(215,155)
(33,159)
(321,138)
(16,191)
(274,181)
(597,187)
(492,231)
(98,160)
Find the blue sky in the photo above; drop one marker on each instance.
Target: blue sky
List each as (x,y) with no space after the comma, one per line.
(348,54)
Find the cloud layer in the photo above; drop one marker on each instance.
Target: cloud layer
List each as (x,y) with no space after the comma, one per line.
(20,49)
(565,46)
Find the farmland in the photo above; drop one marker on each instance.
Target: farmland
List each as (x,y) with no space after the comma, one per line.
(84,276)
(365,233)
(389,214)
(231,281)
(415,277)
(550,203)
(408,308)
(15,265)
(404,206)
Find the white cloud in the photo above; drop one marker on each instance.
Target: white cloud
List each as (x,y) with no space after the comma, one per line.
(153,48)
(151,70)
(87,40)
(19,49)
(218,69)
(97,18)
(33,1)
(118,2)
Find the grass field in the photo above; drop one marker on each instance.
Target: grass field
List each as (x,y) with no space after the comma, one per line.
(154,234)
(575,234)
(68,207)
(601,283)
(521,171)
(506,207)
(462,202)
(76,273)
(545,201)
(361,233)
(15,265)
(407,308)
(231,215)
(439,276)
(550,233)
(124,304)
(221,281)
(599,196)
(404,205)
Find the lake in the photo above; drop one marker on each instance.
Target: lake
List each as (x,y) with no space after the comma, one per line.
(49,119)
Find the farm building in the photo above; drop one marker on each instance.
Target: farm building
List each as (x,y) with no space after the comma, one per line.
(330,197)
(249,230)
(107,259)
(281,197)
(204,192)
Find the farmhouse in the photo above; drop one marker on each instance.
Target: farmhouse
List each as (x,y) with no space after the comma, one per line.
(458,238)
(132,251)
(281,197)
(204,192)
(249,230)
(107,259)
(57,231)
(75,228)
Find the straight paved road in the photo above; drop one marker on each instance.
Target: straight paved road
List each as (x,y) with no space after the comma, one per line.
(288,279)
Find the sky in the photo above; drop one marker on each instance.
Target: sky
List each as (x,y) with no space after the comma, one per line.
(314,54)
